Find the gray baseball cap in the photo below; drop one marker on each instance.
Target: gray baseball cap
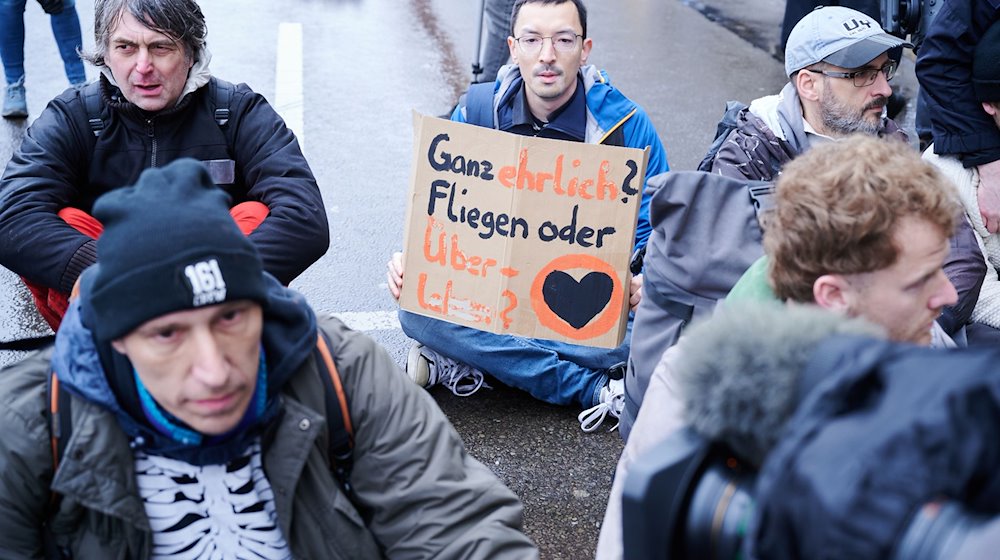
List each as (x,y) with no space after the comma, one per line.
(841,36)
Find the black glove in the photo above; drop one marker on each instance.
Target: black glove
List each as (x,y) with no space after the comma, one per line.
(52,6)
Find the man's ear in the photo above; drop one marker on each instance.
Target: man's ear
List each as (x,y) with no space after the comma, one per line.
(119,346)
(807,84)
(512,47)
(588,44)
(833,292)
(990,108)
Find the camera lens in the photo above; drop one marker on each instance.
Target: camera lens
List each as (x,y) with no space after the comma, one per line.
(940,530)
(719,511)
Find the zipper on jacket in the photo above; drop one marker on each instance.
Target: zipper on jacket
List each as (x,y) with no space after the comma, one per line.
(152,136)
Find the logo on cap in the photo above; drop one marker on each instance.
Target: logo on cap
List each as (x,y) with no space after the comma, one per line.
(207,283)
(853,26)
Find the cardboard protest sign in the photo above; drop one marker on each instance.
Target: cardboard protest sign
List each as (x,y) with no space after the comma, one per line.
(520,235)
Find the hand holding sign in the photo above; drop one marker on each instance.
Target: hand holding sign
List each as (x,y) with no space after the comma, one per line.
(520,235)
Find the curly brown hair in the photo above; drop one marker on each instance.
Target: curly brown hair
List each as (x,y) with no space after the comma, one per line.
(837,207)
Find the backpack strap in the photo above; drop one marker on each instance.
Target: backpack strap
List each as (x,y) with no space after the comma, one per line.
(338,417)
(27,344)
(479,104)
(93,102)
(60,427)
(221,92)
(762,198)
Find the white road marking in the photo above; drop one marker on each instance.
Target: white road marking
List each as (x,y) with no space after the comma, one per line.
(288,79)
(367,321)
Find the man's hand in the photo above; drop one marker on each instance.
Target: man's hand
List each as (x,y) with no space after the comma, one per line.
(635,292)
(52,6)
(394,274)
(989,195)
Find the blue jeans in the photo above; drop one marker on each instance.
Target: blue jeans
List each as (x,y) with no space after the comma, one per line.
(65,28)
(554,372)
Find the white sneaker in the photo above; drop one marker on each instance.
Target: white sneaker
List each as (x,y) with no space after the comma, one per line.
(428,368)
(612,401)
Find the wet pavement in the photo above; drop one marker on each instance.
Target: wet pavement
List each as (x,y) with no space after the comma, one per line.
(366,65)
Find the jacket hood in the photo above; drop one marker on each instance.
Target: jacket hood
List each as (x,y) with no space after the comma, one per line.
(99,374)
(782,113)
(606,106)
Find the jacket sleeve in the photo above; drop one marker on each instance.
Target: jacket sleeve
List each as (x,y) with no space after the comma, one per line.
(295,233)
(944,69)
(966,268)
(25,459)
(427,497)
(44,176)
(641,134)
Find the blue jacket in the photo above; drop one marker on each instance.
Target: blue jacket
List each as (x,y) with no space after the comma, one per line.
(607,110)
(944,68)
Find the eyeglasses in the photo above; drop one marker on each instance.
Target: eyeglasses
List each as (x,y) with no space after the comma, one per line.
(562,42)
(863,77)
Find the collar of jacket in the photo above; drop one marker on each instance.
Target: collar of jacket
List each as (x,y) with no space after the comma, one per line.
(104,377)
(607,108)
(570,119)
(98,470)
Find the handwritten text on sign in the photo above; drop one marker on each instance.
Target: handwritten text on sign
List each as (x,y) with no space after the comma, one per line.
(520,235)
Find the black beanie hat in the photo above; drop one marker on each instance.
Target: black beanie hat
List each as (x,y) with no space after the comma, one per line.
(986,66)
(169,244)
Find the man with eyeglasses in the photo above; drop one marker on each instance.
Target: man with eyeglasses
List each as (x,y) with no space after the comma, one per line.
(549,92)
(839,62)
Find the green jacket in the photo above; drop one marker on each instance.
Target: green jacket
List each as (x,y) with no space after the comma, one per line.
(426,496)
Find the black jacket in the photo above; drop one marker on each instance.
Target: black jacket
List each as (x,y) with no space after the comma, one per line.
(944,68)
(886,428)
(61,164)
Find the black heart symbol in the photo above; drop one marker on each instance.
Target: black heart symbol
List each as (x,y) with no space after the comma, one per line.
(577,302)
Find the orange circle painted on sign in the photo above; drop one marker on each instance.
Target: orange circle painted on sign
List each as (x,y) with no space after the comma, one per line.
(604,322)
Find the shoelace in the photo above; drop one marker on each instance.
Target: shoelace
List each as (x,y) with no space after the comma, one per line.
(462,380)
(592,418)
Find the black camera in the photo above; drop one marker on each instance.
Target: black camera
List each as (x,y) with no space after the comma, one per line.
(911,18)
(693,499)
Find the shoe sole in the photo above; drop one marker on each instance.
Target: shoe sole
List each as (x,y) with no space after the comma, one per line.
(416,366)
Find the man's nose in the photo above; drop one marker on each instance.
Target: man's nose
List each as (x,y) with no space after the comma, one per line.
(548,50)
(881,85)
(143,61)
(945,294)
(208,363)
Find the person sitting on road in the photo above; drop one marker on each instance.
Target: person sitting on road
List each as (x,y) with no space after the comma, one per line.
(861,228)
(200,419)
(550,92)
(155,101)
(839,62)
(984,326)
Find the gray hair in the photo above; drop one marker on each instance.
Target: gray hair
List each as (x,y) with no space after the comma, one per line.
(181,20)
